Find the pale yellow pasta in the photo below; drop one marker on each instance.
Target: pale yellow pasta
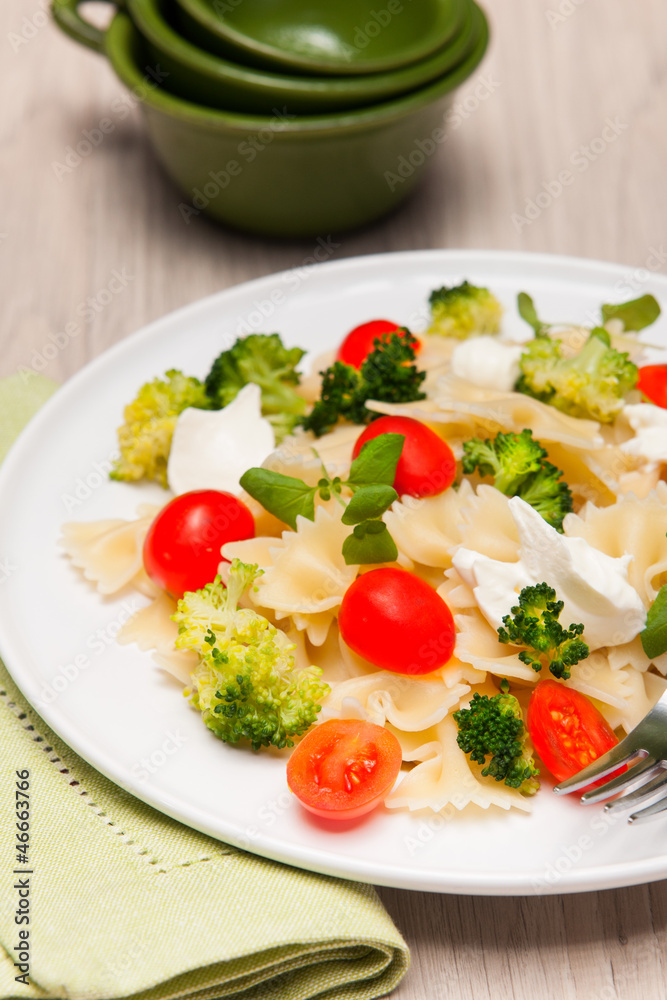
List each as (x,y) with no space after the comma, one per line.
(477,644)
(425,530)
(410,704)
(295,455)
(596,679)
(487,525)
(307,575)
(152,628)
(443,776)
(489,411)
(109,553)
(630,526)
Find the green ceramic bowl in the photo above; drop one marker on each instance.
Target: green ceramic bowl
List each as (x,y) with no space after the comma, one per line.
(281,175)
(206,79)
(322,37)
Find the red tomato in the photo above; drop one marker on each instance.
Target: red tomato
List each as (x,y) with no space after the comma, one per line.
(182,547)
(427,465)
(396,621)
(567,730)
(652,382)
(344,768)
(359,342)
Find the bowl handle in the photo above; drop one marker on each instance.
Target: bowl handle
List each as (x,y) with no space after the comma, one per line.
(67,17)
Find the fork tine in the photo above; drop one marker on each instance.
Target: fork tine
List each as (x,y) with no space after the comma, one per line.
(650,811)
(641,794)
(624,752)
(620,783)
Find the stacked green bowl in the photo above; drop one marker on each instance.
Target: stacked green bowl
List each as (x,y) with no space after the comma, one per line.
(290,117)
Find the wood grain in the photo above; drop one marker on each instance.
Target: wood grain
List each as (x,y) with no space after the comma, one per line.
(557,74)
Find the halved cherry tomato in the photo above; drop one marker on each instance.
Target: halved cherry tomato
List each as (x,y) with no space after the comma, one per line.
(427,465)
(359,342)
(567,730)
(652,382)
(182,546)
(397,622)
(344,768)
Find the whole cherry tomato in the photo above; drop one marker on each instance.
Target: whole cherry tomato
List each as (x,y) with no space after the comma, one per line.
(359,342)
(182,546)
(427,465)
(397,622)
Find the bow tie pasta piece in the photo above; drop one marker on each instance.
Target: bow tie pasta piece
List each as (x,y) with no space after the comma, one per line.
(622,690)
(444,777)
(477,644)
(487,525)
(409,704)
(629,526)
(632,654)
(425,530)
(110,552)
(489,411)
(307,576)
(152,629)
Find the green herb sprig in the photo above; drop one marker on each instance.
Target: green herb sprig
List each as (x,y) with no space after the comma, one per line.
(370,481)
(654,636)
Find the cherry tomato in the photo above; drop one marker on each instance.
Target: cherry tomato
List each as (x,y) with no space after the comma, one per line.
(427,465)
(397,622)
(359,342)
(567,730)
(182,546)
(652,382)
(344,768)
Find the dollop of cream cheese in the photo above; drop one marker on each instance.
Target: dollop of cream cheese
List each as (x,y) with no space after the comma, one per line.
(649,422)
(211,449)
(487,362)
(593,586)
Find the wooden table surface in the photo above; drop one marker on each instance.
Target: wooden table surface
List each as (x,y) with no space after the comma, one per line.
(576,85)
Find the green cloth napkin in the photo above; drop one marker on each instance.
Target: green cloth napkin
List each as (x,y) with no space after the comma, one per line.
(128,903)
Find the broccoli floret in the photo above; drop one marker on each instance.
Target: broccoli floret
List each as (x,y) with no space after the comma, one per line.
(388,374)
(519,467)
(534,624)
(261,358)
(464,311)
(150,419)
(592,384)
(493,727)
(246,685)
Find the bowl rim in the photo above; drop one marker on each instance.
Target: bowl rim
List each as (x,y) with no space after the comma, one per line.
(283,60)
(153,25)
(122,37)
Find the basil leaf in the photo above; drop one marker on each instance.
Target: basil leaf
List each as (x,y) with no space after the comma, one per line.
(370,542)
(369,501)
(377,461)
(528,312)
(635,314)
(284,496)
(654,636)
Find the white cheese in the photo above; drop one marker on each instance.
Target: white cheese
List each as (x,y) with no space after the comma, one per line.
(649,422)
(211,449)
(593,586)
(486,362)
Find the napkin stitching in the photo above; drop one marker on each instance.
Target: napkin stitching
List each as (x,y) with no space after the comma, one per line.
(76,787)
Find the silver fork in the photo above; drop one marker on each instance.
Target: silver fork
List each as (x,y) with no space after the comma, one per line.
(644,749)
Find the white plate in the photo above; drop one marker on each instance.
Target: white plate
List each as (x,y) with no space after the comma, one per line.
(115,708)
